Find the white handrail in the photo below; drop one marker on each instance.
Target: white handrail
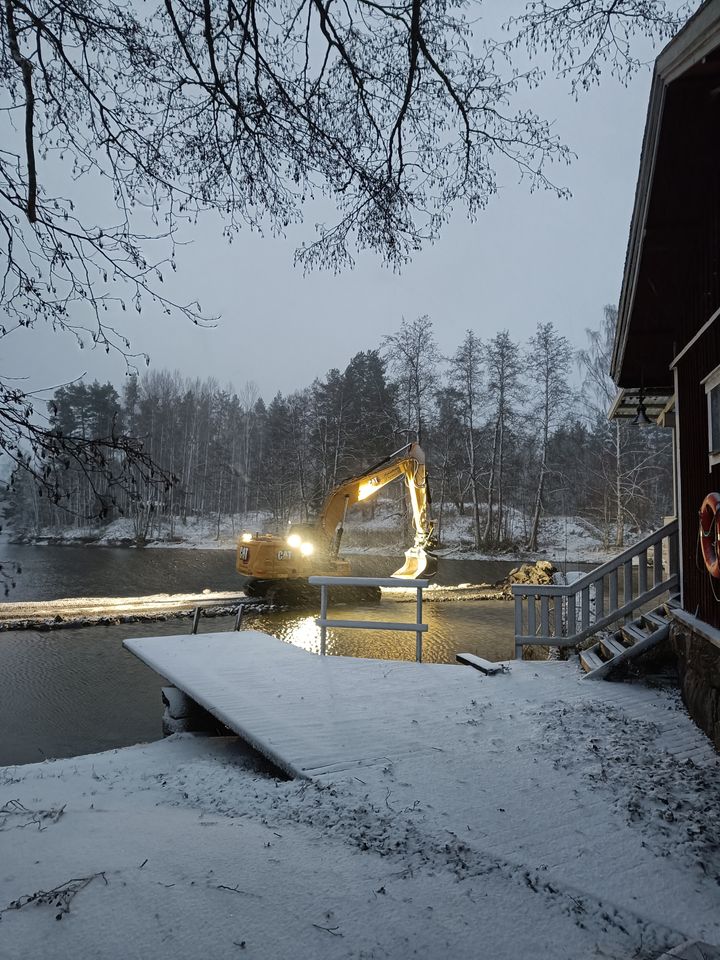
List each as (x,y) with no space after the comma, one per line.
(579,609)
(418,628)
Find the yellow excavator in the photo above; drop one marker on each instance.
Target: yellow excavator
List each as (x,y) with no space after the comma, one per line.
(267,561)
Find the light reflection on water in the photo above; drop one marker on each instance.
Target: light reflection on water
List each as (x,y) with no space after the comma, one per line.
(481,627)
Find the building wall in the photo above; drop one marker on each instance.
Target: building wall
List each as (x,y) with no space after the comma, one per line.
(698,662)
(701,593)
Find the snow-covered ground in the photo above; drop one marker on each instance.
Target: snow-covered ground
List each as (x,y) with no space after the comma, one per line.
(562,539)
(551,817)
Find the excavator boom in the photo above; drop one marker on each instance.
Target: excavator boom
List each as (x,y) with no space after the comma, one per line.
(409,463)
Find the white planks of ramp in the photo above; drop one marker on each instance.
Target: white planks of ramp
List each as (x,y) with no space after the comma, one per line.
(309,715)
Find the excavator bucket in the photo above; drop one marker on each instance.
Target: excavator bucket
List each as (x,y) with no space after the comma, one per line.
(418,563)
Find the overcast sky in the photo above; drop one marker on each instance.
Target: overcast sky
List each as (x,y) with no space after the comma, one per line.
(528,258)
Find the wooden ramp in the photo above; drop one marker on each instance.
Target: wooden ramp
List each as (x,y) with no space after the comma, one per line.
(309,715)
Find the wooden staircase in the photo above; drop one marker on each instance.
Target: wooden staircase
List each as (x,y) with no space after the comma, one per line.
(565,614)
(632,639)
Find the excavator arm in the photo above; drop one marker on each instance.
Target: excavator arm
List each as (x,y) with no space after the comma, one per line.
(409,463)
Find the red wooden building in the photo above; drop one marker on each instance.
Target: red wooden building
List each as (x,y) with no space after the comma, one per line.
(667,346)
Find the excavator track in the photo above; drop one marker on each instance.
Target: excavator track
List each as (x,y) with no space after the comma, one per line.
(299,593)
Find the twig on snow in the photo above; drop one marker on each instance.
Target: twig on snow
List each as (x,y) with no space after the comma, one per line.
(60,896)
(333,930)
(40,818)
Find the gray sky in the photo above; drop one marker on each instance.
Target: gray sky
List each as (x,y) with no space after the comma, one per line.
(528,258)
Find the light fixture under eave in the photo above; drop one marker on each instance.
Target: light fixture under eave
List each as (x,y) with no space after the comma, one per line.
(641,418)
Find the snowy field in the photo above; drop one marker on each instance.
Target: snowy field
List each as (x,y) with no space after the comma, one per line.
(550,818)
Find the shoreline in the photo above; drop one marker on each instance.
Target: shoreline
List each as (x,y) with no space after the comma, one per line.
(557,555)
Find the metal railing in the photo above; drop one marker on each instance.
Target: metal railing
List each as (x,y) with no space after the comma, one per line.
(563,615)
(418,628)
(197,612)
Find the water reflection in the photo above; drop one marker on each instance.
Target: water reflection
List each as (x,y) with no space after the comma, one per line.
(300,631)
(481,627)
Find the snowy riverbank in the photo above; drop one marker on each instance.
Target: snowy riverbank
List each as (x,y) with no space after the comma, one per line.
(552,818)
(562,539)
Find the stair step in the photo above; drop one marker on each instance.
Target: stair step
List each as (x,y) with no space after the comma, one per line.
(590,660)
(612,647)
(656,619)
(633,634)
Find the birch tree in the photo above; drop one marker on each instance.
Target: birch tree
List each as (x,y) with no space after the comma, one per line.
(412,356)
(503,372)
(548,361)
(466,378)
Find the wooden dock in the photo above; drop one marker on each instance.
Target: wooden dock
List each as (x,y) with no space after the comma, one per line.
(310,715)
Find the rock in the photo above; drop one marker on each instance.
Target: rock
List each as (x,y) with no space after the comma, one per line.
(539,573)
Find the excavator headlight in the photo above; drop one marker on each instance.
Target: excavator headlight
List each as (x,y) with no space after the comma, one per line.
(246,537)
(306,549)
(294,540)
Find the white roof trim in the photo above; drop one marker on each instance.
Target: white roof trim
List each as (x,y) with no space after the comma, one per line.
(691,343)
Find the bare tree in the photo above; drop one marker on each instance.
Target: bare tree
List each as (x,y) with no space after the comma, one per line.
(412,356)
(599,391)
(548,363)
(504,368)
(629,460)
(249,395)
(466,378)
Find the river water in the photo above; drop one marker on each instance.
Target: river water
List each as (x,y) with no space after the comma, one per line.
(72,691)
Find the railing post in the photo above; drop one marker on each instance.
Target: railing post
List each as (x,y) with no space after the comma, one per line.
(544,616)
(642,572)
(673,549)
(599,599)
(628,588)
(614,590)
(196,619)
(559,610)
(418,621)
(532,618)
(323,616)
(238,618)
(585,595)
(518,625)
(657,564)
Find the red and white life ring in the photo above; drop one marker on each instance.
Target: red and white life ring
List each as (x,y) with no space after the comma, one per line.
(710,533)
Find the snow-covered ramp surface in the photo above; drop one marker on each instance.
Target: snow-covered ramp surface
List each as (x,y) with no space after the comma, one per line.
(309,715)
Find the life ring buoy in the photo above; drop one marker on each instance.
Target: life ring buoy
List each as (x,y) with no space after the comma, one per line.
(710,533)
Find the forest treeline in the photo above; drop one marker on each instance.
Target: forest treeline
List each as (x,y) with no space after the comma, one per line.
(512,431)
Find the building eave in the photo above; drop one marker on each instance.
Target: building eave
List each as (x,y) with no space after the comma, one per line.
(699,36)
